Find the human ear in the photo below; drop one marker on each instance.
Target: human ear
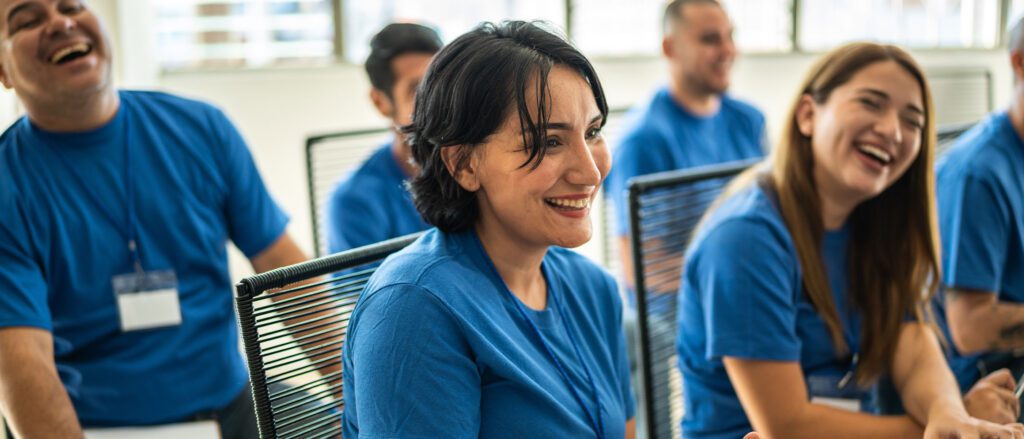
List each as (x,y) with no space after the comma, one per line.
(4,78)
(462,164)
(382,102)
(804,115)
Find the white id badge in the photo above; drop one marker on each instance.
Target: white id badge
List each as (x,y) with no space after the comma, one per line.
(147,300)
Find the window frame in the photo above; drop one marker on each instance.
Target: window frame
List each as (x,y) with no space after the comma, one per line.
(338,52)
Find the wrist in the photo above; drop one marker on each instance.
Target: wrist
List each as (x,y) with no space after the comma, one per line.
(946,409)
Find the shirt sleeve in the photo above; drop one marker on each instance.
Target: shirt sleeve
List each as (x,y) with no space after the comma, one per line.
(745,279)
(976,225)
(354,219)
(413,372)
(254,220)
(22,284)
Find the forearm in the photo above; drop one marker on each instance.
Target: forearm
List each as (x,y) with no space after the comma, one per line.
(980,322)
(921,375)
(817,421)
(32,397)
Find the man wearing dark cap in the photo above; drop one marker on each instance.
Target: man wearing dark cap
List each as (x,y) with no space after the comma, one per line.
(371,204)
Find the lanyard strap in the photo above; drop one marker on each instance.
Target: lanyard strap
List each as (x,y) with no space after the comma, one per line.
(595,422)
(129,229)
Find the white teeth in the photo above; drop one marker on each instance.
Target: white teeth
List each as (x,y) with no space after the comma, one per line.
(877,153)
(74,48)
(580,203)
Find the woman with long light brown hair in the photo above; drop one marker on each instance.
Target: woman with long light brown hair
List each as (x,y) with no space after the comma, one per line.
(810,278)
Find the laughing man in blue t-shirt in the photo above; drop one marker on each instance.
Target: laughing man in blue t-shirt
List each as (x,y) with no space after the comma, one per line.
(115,298)
(371,204)
(980,189)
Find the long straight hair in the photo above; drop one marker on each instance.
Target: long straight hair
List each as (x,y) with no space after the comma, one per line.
(894,264)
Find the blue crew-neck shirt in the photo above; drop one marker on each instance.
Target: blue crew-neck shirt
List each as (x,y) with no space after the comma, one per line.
(742,297)
(371,205)
(980,191)
(663,136)
(62,239)
(437,347)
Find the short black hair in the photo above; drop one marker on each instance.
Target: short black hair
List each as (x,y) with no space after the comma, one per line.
(394,40)
(674,11)
(471,87)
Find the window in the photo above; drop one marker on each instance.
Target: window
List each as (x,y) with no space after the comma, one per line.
(914,23)
(762,25)
(618,28)
(451,18)
(237,33)
(1015,13)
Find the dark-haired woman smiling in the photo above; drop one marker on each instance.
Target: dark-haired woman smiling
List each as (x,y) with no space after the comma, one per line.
(486,326)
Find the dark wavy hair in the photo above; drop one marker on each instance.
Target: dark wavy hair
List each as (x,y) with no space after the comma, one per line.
(471,87)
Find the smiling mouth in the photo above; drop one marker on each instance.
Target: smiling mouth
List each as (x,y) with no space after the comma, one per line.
(568,204)
(70,53)
(877,154)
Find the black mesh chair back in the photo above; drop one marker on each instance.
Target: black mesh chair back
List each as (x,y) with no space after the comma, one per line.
(293,323)
(946,135)
(329,157)
(664,209)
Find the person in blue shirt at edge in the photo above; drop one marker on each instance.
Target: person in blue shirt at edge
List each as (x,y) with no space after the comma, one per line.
(842,257)
(692,121)
(116,302)
(980,187)
(371,204)
(487,326)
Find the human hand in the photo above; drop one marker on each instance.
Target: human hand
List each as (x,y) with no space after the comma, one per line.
(992,398)
(956,424)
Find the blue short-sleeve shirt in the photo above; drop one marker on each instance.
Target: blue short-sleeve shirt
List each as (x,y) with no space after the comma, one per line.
(742,296)
(980,191)
(62,239)
(437,348)
(371,205)
(663,136)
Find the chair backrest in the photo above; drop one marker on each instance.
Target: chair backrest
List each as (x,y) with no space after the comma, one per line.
(331,156)
(293,323)
(664,209)
(946,135)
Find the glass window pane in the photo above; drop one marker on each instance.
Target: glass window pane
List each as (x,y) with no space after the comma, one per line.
(762,25)
(913,23)
(243,33)
(617,27)
(1015,13)
(451,18)
(633,27)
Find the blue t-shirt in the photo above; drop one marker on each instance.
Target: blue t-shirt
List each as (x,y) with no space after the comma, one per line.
(371,205)
(437,347)
(663,136)
(742,296)
(980,191)
(63,238)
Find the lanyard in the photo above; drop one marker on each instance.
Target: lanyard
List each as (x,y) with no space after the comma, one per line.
(127,229)
(595,422)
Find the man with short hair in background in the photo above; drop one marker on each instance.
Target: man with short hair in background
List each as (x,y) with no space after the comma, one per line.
(692,121)
(371,204)
(115,298)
